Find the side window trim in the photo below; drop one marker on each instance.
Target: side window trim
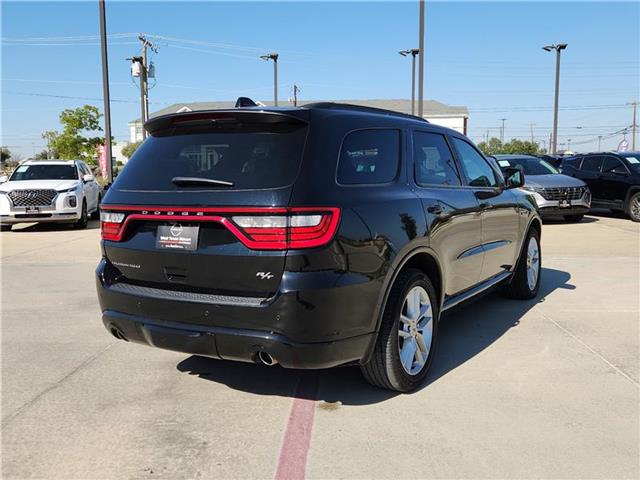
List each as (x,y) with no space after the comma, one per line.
(401,155)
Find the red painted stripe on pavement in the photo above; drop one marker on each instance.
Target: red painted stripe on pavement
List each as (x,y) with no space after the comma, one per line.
(297,438)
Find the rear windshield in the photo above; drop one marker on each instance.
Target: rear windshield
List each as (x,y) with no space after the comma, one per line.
(266,157)
(44,172)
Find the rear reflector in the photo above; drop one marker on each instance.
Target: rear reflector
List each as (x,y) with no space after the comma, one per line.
(257,228)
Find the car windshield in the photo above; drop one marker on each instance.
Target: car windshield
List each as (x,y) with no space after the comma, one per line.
(44,172)
(634,162)
(531,166)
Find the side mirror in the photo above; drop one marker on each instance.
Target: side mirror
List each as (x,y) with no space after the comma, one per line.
(513,177)
(88,178)
(3,178)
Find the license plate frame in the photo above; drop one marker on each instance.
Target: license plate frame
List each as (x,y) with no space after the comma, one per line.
(177,237)
(32,209)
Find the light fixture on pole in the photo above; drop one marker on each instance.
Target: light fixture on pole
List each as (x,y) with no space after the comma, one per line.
(274,57)
(558,48)
(413,52)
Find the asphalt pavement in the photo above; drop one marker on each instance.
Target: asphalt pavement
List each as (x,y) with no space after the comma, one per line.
(548,388)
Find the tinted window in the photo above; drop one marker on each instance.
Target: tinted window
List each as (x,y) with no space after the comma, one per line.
(251,158)
(613,165)
(369,156)
(591,164)
(478,171)
(45,172)
(633,160)
(432,159)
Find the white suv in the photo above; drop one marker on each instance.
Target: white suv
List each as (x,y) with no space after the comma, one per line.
(49,191)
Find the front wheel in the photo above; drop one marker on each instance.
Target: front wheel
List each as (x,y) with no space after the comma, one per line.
(407,338)
(526,278)
(634,207)
(5,228)
(84,218)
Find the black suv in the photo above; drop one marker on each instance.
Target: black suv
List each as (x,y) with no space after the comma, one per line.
(612,177)
(311,237)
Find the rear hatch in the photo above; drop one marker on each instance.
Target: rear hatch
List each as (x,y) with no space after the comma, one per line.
(202,206)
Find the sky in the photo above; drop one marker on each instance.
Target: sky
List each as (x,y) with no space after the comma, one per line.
(485,56)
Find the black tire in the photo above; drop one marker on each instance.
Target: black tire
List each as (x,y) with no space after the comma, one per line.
(84,218)
(385,369)
(573,218)
(633,207)
(96,214)
(519,287)
(5,228)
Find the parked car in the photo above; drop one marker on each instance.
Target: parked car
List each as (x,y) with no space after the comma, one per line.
(312,237)
(613,178)
(49,191)
(556,195)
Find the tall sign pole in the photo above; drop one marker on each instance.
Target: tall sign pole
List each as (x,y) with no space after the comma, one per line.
(421,63)
(105,91)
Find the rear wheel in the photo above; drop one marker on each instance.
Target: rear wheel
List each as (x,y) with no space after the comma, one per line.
(526,279)
(573,218)
(84,218)
(634,207)
(406,342)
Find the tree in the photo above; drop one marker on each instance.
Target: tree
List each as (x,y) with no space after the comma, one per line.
(129,149)
(523,147)
(72,142)
(5,154)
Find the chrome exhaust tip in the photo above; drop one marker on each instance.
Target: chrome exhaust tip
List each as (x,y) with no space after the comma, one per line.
(266,359)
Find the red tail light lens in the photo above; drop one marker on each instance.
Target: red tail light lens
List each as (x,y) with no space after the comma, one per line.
(257,228)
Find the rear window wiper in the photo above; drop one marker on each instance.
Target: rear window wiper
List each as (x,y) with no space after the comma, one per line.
(200,181)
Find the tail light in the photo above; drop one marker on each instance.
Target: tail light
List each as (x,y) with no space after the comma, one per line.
(257,228)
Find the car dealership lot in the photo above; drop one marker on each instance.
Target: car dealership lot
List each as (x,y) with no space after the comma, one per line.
(546,388)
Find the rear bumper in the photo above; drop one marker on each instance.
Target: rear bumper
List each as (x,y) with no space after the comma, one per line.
(321,322)
(233,343)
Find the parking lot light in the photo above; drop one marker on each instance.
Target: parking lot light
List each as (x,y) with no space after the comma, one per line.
(558,48)
(413,52)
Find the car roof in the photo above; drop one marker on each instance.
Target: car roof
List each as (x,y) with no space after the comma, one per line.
(49,162)
(507,156)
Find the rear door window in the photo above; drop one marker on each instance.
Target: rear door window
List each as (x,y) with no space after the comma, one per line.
(369,157)
(432,160)
(591,164)
(247,158)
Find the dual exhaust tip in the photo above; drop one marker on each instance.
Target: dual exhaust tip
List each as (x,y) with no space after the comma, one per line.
(265,359)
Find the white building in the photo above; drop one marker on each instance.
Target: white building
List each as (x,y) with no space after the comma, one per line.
(435,112)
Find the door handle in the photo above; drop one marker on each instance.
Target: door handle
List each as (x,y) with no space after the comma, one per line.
(436,209)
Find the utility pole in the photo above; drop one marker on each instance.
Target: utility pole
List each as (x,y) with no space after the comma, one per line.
(413,52)
(502,130)
(105,91)
(296,89)
(274,57)
(140,68)
(421,63)
(634,126)
(531,127)
(599,140)
(558,48)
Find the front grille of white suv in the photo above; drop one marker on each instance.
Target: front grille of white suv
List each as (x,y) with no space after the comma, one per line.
(32,198)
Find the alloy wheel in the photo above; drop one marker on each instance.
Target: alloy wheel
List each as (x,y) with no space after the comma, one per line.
(533,263)
(415,330)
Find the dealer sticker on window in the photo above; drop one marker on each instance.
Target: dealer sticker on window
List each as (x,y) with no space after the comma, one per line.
(177,237)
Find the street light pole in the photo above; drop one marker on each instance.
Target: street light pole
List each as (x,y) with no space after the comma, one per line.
(502,130)
(599,140)
(421,62)
(558,48)
(274,57)
(634,126)
(105,91)
(413,52)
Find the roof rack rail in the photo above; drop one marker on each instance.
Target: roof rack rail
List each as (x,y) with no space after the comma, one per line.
(361,108)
